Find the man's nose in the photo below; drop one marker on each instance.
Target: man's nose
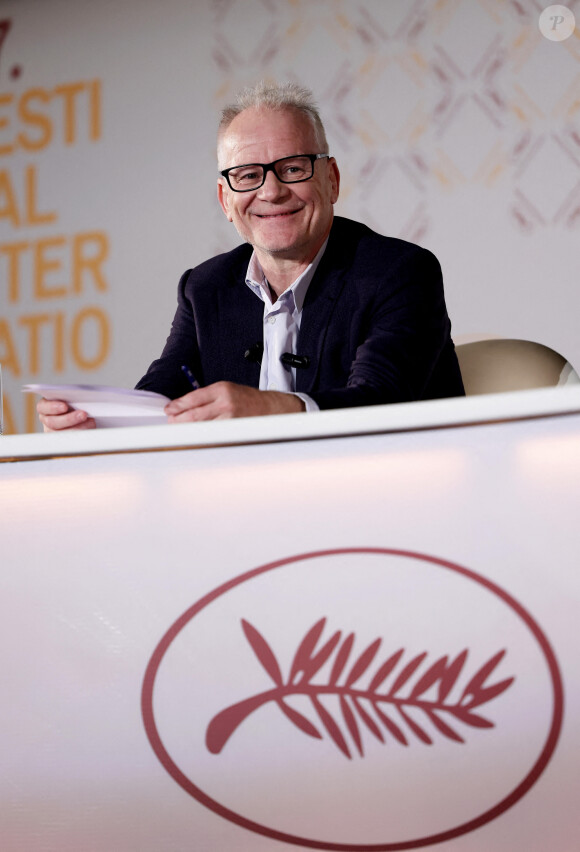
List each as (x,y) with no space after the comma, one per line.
(272,188)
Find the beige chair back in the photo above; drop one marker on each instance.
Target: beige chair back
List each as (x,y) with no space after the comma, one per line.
(497,365)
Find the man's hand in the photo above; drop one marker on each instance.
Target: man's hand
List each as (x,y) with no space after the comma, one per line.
(55,414)
(223,400)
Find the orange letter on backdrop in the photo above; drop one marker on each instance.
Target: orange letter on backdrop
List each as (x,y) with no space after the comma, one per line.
(103,332)
(4,100)
(8,210)
(13,252)
(33,322)
(58,354)
(33,217)
(29,116)
(95,106)
(8,425)
(8,356)
(30,422)
(90,251)
(69,91)
(43,265)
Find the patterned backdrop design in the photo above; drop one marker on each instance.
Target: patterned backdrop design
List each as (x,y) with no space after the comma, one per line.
(421,97)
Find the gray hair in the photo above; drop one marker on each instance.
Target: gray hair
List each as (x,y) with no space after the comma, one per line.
(284,96)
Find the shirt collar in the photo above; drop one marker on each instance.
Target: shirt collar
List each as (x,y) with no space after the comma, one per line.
(258,284)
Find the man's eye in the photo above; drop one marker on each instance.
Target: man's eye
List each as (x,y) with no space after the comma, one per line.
(292,170)
(246,176)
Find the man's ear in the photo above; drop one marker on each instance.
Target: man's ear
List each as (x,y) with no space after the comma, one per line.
(334,175)
(223,198)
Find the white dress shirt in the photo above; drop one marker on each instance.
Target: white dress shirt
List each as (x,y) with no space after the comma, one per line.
(282,320)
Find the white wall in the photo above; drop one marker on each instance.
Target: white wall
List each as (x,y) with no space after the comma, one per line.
(456,124)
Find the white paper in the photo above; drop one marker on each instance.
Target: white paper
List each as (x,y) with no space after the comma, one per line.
(109,406)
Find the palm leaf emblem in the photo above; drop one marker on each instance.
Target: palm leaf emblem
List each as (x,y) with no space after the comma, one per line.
(399,692)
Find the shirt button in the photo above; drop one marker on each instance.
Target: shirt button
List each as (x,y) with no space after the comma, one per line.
(272,386)
(271,320)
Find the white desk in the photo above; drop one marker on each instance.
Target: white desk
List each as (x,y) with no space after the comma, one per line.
(130,559)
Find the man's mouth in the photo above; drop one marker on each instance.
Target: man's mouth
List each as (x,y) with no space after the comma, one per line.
(283,214)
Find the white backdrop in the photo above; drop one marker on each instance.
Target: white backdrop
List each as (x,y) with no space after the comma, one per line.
(456,124)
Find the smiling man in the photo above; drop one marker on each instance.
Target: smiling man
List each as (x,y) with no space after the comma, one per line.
(289,216)
(313,311)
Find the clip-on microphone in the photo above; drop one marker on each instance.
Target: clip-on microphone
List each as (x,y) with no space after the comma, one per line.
(290,360)
(254,353)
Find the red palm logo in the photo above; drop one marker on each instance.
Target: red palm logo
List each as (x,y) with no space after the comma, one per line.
(322,698)
(390,709)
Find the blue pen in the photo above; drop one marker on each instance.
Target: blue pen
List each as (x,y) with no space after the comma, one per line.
(190,377)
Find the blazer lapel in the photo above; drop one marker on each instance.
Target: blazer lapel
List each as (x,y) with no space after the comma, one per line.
(319,305)
(239,326)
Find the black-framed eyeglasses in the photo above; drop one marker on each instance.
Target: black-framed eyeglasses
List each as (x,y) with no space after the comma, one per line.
(287,169)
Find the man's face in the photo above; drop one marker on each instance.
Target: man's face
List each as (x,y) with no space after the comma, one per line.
(288,220)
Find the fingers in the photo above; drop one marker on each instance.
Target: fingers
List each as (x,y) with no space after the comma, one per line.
(209,403)
(58,424)
(56,415)
(52,406)
(192,400)
(224,400)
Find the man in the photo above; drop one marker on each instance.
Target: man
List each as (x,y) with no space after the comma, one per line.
(312,311)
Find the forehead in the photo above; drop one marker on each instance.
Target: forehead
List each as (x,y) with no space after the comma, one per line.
(263,135)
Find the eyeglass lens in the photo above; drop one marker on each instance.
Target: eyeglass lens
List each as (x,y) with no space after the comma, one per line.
(288,170)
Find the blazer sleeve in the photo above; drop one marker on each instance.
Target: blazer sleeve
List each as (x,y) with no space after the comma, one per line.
(217,319)
(165,374)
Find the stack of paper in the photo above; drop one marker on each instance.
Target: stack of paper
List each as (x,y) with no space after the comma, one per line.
(109,406)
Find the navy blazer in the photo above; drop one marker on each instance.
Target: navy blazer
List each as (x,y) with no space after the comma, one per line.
(374,325)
